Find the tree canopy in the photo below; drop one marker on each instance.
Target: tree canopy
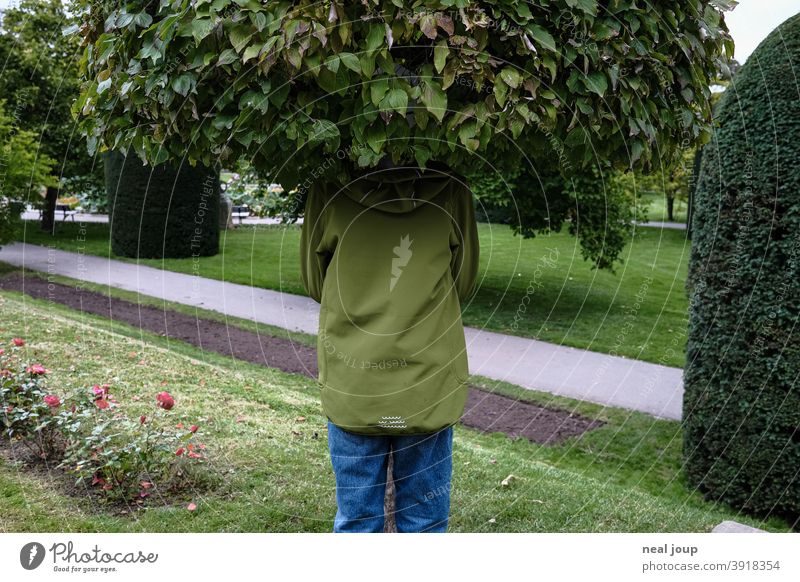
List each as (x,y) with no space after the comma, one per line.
(303,88)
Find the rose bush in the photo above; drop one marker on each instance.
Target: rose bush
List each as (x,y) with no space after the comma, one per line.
(127,458)
(91,437)
(30,413)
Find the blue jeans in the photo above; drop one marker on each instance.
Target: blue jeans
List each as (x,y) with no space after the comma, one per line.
(422,469)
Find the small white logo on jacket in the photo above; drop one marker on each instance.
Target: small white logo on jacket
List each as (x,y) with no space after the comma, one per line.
(402,256)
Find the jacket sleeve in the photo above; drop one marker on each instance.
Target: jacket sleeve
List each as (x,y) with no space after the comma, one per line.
(314,256)
(464,246)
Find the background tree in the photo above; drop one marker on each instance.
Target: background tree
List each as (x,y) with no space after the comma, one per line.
(319,90)
(22,170)
(597,207)
(40,81)
(741,405)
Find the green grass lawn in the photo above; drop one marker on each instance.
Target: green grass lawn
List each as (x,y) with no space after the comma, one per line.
(656,204)
(625,476)
(538,288)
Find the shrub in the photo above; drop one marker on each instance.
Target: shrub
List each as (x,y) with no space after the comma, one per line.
(92,438)
(29,410)
(742,403)
(127,457)
(162,211)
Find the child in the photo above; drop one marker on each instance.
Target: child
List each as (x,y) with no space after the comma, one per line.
(390,258)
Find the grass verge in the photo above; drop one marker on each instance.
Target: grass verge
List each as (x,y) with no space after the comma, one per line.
(625,476)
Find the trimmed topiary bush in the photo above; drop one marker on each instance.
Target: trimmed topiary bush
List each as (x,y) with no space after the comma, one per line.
(161,211)
(742,377)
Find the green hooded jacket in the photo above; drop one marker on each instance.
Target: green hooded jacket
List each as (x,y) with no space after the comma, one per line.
(390,258)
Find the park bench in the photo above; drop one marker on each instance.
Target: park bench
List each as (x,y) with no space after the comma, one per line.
(66,212)
(240,212)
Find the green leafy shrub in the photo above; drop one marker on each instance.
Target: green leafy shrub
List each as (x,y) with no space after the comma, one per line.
(595,206)
(741,404)
(263,198)
(23,170)
(162,211)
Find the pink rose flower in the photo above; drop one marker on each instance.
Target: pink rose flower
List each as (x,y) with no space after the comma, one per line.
(52,401)
(36,370)
(165,400)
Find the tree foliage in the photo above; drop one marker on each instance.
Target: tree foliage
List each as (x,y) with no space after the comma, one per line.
(39,81)
(23,170)
(308,87)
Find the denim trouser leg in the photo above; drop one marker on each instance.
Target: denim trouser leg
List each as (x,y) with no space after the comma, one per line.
(422,471)
(359,464)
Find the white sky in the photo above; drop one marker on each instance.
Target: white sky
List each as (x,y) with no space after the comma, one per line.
(750,22)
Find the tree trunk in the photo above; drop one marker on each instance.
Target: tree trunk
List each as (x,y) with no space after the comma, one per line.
(389,506)
(670,208)
(698,158)
(48,223)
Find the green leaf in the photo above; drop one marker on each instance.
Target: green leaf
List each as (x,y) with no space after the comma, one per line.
(377,32)
(541,36)
(351,62)
(201,29)
(511,77)
(227,56)
(376,137)
(597,83)
(440,55)
(500,91)
(240,36)
(588,6)
(397,99)
(377,90)
(250,52)
(434,99)
(332,63)
(183,83)
(324,131)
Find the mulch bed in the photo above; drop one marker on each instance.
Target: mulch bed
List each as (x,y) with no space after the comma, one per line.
(485,411)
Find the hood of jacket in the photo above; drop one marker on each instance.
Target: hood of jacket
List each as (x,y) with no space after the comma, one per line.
(398,189)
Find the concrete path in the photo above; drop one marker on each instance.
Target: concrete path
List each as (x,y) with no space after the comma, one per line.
(34,215)
(600,378)
(31,214)
(658,224)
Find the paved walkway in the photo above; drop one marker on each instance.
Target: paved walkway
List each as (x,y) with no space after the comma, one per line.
(658,224)
(600,378)
(34,215)
(85,217)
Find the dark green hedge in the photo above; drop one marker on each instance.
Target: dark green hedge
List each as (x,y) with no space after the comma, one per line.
(162,212)
(742,403)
